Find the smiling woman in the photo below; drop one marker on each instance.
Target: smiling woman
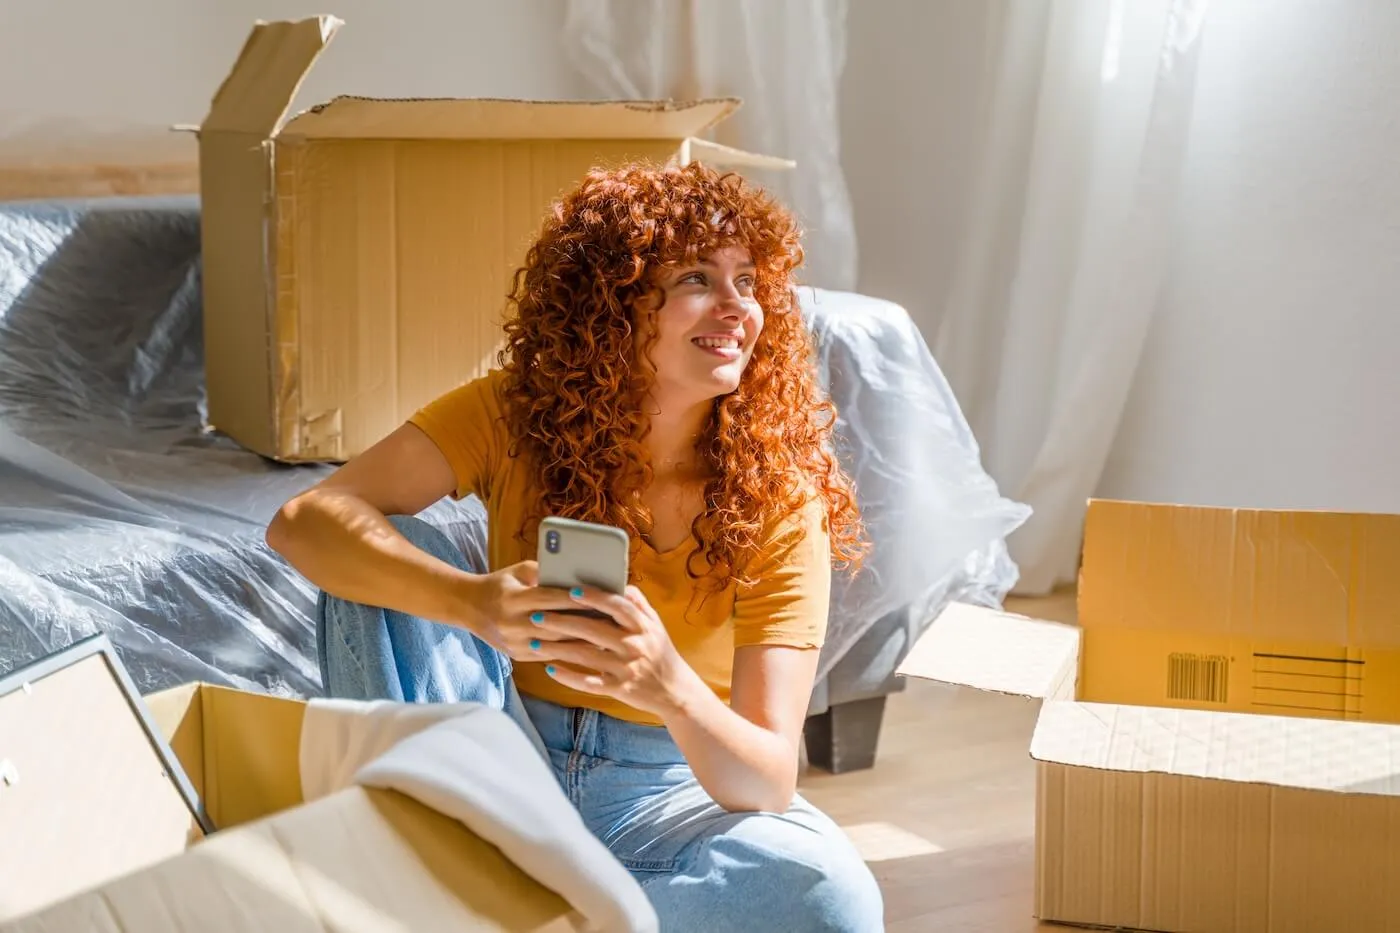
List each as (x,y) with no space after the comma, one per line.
(657,377)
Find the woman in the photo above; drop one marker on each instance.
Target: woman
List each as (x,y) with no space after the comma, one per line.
(657,376)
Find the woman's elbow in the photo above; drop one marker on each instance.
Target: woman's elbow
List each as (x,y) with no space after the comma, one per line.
(279,533)
(774,798)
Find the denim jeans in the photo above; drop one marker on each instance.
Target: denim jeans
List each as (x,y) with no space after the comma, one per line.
(703,867)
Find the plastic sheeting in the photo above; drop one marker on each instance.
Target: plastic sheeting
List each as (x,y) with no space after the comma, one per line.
(121,513)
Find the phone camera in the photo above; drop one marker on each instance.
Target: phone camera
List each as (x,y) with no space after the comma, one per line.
(551,542)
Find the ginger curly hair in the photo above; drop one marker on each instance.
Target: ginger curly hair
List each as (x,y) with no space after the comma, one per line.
(574,381)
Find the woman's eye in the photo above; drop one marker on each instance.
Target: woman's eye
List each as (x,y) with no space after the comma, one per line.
(745,282)
(694,278)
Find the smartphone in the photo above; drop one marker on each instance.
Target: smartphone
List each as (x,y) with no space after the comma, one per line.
(574,553)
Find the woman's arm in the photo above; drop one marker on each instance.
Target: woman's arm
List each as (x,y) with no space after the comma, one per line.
(337,533)
(746,754)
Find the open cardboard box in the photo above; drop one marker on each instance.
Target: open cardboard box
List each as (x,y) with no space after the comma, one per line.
(357,256)
(183,812)
(1217,749)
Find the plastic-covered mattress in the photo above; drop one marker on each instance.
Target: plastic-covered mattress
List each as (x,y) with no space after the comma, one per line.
(121,513)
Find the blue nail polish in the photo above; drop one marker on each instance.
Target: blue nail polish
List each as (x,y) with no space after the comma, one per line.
(534,644)
(549,669)
(537,617)
(576,592)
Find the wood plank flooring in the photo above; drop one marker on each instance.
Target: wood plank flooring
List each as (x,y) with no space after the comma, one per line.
(946,818)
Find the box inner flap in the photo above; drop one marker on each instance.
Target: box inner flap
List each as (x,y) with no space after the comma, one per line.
(1286,751)
(702,150)
(490,118)
(1001,652)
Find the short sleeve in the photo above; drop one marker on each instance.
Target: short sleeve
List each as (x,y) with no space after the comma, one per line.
(788,601)
(466,426)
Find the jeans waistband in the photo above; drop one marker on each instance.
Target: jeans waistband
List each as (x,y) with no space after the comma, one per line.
(589,732)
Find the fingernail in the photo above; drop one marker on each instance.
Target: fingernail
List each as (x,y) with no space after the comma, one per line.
(537,617)
(549,669)
(534,644)
(576,592)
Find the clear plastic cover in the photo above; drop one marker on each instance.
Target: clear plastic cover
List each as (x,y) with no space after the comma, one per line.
(121,513)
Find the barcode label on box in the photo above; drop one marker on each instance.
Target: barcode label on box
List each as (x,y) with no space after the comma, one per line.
(1203,678)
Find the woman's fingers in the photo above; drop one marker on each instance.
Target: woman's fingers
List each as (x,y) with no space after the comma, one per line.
(605,633)
(621,609)
(579,654)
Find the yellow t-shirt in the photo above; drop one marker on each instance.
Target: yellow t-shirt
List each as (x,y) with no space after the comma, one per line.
(787,605)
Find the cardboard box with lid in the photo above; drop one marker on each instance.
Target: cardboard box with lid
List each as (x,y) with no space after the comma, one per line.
(1218,747)
(104,832)
(357,256)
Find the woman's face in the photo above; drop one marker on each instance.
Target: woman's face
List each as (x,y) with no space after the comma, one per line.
(706,328)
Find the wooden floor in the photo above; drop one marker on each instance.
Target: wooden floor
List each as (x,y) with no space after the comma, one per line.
(946,816)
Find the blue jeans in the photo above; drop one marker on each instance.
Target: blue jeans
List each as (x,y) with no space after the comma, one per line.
(702,867)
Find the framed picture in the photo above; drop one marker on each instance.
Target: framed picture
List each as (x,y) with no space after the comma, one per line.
(87,780)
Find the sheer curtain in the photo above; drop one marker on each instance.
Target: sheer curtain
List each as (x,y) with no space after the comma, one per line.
(1065,247)
(783,57)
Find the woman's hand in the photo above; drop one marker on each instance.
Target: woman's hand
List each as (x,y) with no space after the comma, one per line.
(628,656)
(500,608)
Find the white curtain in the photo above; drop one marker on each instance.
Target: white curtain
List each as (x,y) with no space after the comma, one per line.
(783,57)
(1065,247)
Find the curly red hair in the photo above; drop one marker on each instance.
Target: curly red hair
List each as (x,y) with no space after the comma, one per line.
(575,379)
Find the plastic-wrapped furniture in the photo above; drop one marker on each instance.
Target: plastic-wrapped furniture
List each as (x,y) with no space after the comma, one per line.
(120,513)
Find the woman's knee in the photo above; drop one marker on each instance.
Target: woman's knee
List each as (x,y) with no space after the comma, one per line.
(825,887)
(429,539)
(792,872)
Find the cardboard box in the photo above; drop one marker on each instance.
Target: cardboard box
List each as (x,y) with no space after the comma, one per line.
(357,256)
(116,799)
(1217,747)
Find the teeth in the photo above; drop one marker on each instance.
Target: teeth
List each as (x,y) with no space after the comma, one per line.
(718,343)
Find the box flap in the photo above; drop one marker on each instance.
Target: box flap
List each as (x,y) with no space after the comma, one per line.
(361,860)
(711,153)
(1309,576)
(1285,751)
(491,118)
(275,58)
(1000,652)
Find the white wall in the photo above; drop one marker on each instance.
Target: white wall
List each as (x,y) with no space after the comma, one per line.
(1272,376)
(157,62)
(909,106)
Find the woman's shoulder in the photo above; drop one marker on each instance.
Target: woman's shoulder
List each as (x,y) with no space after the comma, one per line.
(479,398)
(801,528)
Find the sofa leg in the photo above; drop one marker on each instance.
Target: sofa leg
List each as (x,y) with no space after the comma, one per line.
(845,736)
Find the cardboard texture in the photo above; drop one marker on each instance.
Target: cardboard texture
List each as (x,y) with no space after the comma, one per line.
(1224,755)
(357,256)
(361,859)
